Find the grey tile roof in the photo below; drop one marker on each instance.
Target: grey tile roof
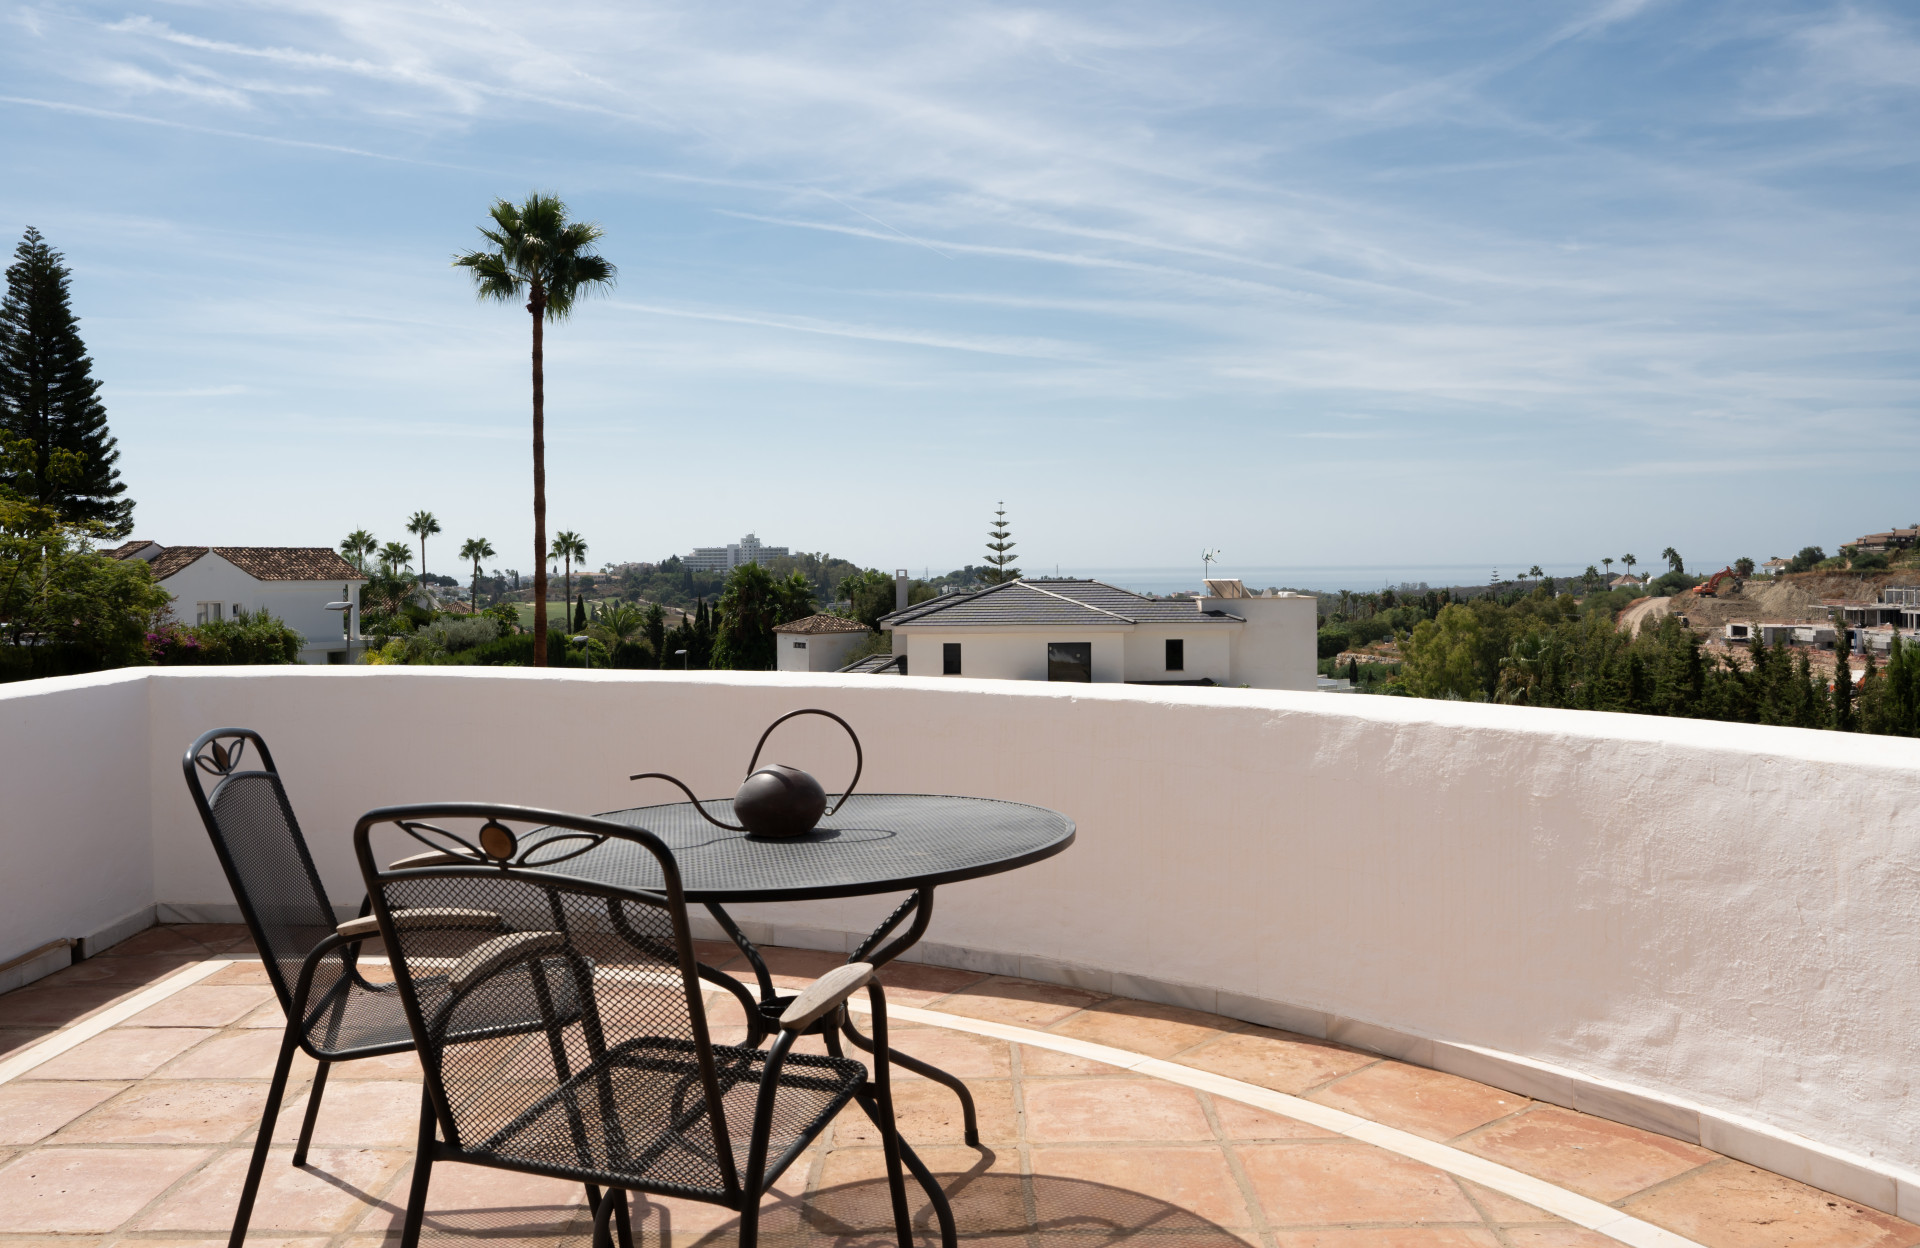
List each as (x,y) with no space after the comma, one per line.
(1050,603)
(877,665)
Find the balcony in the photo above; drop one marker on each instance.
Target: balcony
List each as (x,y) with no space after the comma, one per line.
(1327,971)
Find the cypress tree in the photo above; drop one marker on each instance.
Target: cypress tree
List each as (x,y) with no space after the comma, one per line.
(1842,681)
(48,394)
(580,613)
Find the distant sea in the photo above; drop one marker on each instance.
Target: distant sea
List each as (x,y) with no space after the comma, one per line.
(1436,576)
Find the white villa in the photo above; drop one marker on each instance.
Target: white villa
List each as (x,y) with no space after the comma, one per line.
(294,583)
(1091,632)
(818,643)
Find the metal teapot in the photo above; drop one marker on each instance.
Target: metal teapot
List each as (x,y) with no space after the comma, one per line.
(776,802)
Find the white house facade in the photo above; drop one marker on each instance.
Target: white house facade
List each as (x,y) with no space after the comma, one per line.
(1091,632)
(294,583)
(819,643)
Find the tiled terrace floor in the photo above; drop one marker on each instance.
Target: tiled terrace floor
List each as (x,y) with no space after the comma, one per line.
(139,1135)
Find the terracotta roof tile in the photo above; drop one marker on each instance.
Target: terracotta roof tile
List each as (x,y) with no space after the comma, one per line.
(262,563)
(814,625)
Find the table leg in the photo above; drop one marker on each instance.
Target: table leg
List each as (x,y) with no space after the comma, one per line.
(920,905)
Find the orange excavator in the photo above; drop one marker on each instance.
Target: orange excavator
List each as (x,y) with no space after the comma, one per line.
(1710,588)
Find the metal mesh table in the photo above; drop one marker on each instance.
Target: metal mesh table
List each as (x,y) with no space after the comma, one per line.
(876,843)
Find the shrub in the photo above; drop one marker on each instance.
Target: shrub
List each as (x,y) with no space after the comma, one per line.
(249,637)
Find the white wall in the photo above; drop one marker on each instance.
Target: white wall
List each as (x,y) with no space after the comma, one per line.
(302,604)
(1720,915)
(1209,651)
(1010,654)
(822,652)
(1276,649)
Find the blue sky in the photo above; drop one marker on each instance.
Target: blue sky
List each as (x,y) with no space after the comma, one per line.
(1358,284)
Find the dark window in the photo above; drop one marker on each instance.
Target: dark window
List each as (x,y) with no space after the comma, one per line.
(1070,660)
(1176,655)
(949,658)
(799,645)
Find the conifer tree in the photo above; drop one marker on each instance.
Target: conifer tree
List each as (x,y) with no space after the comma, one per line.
(1000,546)
(48,394)
(1842,681)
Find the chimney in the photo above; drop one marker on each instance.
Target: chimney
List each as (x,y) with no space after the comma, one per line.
(899,589)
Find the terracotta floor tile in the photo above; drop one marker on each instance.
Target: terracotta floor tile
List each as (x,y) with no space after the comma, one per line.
(1592,1156)
(268,1015)
(929,1115)
(792,968)
(1393,1237)
(717,953)
(1346,1181)
(1276,1060)
(1084,1111)
(986,1194)
(220,1241)
(236,1054)
(357,1115)
(240,973)
(1562,1236)
(211,934)
(203,1005)
(12,1038)
(1244,1122)
(30,1111)
(171,1112)
(479,1200)
(1736,1206)
(1151,1183)
(1038,1061)
(121,1053)
(389,1067)
(1502,1208)
(1018,1001)
(330,1193)
(87,1189)
(1425,1102)
(156,940)
(916,983)
(55,1007)
(956,1052)
(127,972)
(1144,1027)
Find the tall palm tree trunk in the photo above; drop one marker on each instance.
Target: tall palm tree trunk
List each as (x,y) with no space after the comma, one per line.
(538,306)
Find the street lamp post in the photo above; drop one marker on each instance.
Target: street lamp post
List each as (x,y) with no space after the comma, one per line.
(683,659)
(349,617)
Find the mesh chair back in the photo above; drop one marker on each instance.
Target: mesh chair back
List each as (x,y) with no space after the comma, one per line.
(265,857)
(560,1023)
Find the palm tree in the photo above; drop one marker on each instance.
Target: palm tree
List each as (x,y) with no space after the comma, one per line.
(394,556)
(476,549)
(356,546)
(537,252)
(618,625)
(1606,561)
(567,546)
(423,524)
(1535,572)
(1629,560)
(1672,557)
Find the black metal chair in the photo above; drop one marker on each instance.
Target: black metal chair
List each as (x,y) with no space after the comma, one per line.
(333,1013)
(627,1091)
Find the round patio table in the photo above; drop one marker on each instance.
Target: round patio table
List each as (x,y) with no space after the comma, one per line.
(876,843)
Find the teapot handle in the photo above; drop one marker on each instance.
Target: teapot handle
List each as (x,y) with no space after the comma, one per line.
(859,757)
(675,782)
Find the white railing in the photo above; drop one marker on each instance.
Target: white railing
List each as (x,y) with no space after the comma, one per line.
(1705,929)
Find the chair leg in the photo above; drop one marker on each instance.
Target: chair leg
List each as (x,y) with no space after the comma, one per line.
(313,1114)
(750,1223)
(289,1045)
(621,1221)
(601,1237)
(422,1175)
(949,1234)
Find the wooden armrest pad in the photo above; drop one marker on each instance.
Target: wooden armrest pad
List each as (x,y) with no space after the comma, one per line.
(432,858)
(484,959)
(426,919)
(826,994)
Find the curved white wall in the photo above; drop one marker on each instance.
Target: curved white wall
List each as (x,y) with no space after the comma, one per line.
(1722,917)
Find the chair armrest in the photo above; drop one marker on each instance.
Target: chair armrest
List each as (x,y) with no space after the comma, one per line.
(484,959)
(826,994)
(425,919)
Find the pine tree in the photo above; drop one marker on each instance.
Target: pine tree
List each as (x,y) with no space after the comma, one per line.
(1000,551)
(48,394)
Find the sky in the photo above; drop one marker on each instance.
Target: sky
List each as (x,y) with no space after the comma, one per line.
(1361,285)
